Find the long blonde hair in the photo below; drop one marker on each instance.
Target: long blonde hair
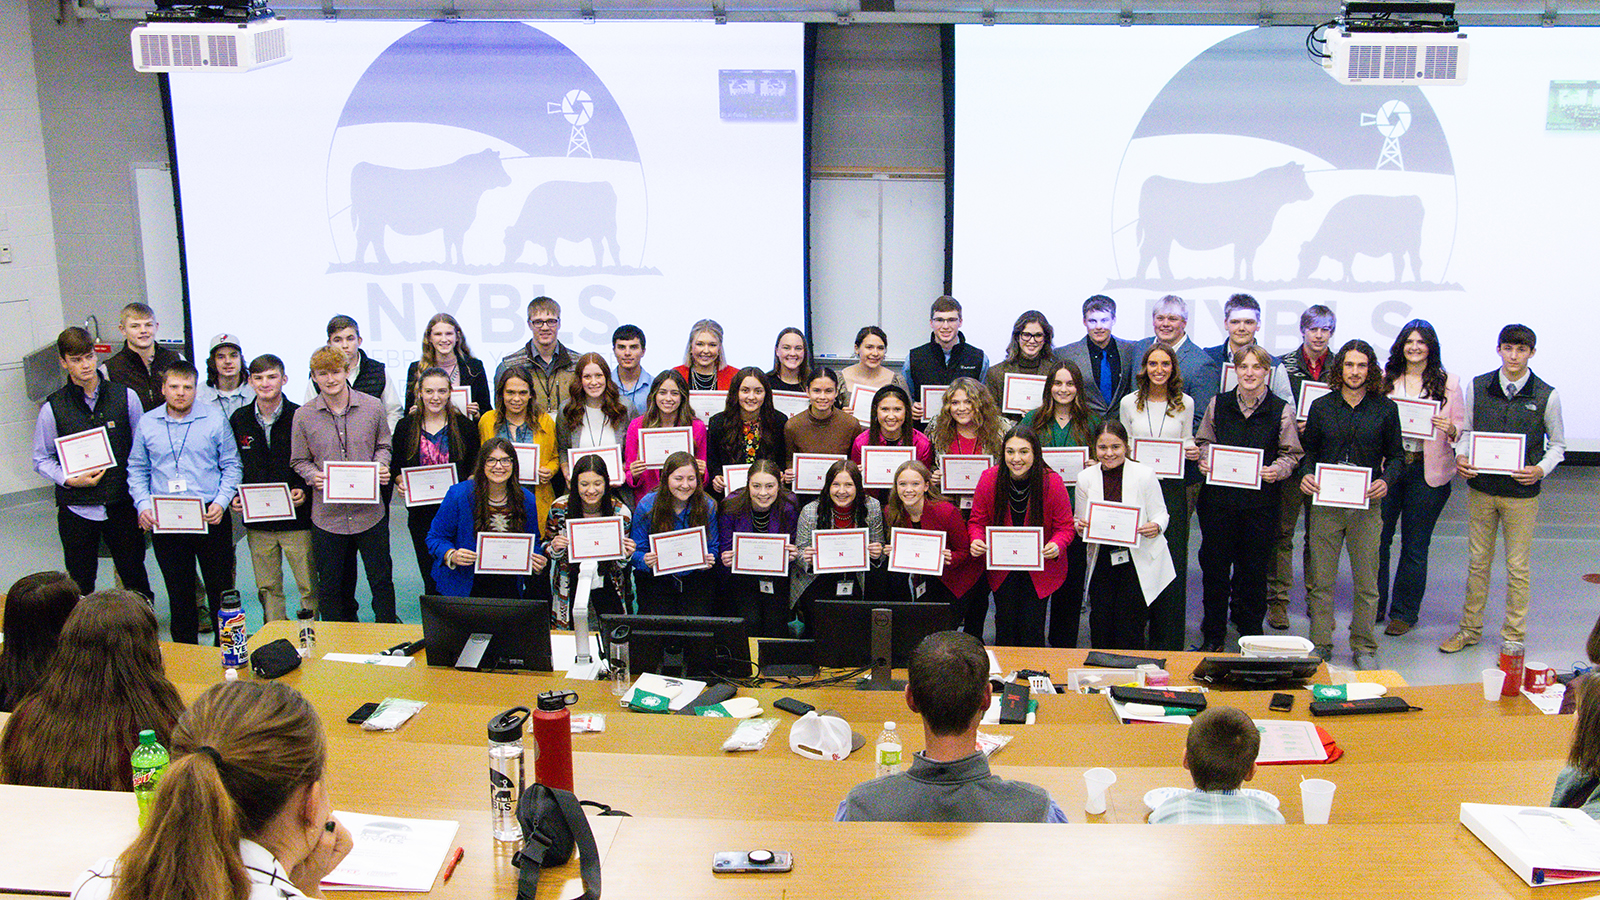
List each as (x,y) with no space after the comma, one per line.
(985,415)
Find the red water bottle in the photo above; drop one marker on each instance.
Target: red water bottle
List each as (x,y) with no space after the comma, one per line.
(552,733)
(1512,655)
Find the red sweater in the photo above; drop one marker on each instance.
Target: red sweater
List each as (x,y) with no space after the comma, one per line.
(1057,527)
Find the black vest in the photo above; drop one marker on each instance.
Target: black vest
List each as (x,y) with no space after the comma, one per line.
(72,415)
(1491,411)
(928,366)
(1260,431)
(265,462)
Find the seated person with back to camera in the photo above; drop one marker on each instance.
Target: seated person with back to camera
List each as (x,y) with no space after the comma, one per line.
(1220,755)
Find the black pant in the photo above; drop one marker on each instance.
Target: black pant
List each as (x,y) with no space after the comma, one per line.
(497,585)
(418,520)
(1234,547)
(176,555)
(338,597)
(1117,614)
(972,609)
(688,594)
(1019,612)
(1066,604)
(765,613)
(80,547)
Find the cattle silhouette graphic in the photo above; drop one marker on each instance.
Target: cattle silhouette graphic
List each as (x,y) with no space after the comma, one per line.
(422,201)
(1371,226)
(566,210)
(1209,215)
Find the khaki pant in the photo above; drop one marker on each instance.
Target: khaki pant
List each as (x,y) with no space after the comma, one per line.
(268,550)
(1486,514)
(1332,530)
(1280,567)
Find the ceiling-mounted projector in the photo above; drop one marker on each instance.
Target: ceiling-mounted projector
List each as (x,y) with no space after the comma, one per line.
(209,36)
(1393,43)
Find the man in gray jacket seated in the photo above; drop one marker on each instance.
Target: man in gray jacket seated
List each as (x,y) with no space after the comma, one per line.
(949,781)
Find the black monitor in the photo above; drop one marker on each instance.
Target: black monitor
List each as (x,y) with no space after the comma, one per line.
(685,646)
(844,631)
(487,633)
(1245,671)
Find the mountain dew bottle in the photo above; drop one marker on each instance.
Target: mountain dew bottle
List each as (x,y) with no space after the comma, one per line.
(149,761)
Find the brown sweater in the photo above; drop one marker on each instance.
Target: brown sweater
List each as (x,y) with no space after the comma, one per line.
(804,433)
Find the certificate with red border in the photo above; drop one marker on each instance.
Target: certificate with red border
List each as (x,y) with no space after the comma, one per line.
(594,540)
(656,444)
(790,403)
(959,472)
(611,455)
(1416,417)
(859,403)
(1342,486)
(266,503)
(840,550)
(878,464)
(1116,524)
(350,482)
(1309,392)
(932,400)
(1164,455)
(707,403)
(530,462)
(504,554)
(734,478)
(811,470)
(1498,453)
(1230,378)
(683,550)
(1015,548)
(1237,467)
(460,397)
(179,515)
(1021,393)
(1067,462)
(427,485)
(85,452)
(916,552)
(760,554)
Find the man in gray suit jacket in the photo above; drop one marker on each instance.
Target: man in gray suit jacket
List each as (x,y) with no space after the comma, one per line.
(1200,372)
(1099,355)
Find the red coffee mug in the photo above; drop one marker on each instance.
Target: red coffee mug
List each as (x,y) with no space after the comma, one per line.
(1537,677)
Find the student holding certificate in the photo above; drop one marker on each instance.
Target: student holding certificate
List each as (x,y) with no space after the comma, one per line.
(748,428)
(1027,354)
(1160,409)
(915,504)
(872,345)
(263,430)
(444,346)
(519,418)
(791,363)
(891,427)
(1127,585)
(434,433)
(1065,421)
(1238,520)
(1414,376)
(1307,362)
(668,407)
(823,427)
(592,496)
(844,504)
(1022,491)
(594,416)
(678,502)
(968,424)
(492,500)
(704,367)
(764,507)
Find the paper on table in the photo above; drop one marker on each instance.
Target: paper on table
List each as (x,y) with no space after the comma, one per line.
(678,691)
(1289,741)
(1120,710)
(391,854)
(371,659)
(564,650)
(1548,702)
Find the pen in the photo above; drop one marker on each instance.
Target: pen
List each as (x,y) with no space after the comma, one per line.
(396,650)
(450,867)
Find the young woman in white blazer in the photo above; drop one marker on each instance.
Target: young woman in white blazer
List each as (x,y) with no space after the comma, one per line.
(1123,582)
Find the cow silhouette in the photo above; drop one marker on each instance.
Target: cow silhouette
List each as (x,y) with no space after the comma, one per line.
(566,210)
(421,201)
(1371,226)
(1207,215)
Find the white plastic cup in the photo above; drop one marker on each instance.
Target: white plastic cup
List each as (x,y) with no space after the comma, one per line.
(1493,681)
(1316,800)
(1095,783)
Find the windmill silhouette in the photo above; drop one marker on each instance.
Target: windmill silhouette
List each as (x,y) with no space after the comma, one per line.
(1392,120)
(577,108)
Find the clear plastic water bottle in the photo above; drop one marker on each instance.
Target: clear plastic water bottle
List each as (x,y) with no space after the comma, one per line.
(888,751)
(621,674)
(308,633)
(149,761)
(231,632)
(506,779)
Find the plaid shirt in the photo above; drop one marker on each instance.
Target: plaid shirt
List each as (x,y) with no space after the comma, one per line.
(1215,808)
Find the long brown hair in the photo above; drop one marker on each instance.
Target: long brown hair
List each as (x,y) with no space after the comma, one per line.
(894,511)
(1174,382)
(534,411)
(420,415)
(985,414)
(738,503)
(37,607)
(685,413)
(238,756)
(515,502)
(430,356)
(105,685)
(661,515)
(577,400)
(1044,418)
(1034,479)
(1433,372)
(1585,753)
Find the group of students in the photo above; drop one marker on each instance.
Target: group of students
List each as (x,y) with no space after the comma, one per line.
(1101,393)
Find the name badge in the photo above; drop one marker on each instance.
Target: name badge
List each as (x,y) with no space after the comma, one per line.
(177,486)
(844,588)
(919,590)
(766,586)
(1118,557)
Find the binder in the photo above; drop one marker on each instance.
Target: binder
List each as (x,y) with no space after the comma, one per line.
(1543,845)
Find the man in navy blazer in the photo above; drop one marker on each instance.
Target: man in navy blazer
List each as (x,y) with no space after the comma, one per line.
(1201,372)
(1099,355)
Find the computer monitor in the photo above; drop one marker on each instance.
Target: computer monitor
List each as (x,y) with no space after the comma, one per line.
(1244,671)
(487,633)
(685,646)
(845,630)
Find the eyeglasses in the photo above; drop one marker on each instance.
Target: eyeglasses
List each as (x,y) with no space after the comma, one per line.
(543,323)
(946,320)
(1031,336)
(498,462)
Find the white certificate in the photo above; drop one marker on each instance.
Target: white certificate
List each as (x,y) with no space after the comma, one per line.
(932,400)
(840,549)
(179,515)
(84,452)
(1342,486)
(760,554)
(350,482)
(734,478)
(1309,390)
(1021,393)
(1162,455)
(611,455)
(1018,549)
(504,554)
(1230,378)
(266,503)
(916,552)
(1113,523)
(597,539)
(656,444)
(1067,461)
(1238,467)
(789,403)
(1416,417)
(959,472)
(1498,453)
(878,464)
(427,485)
(859,403)
(530,461)
(683,550)
(460,397)
(707,403)
(811,470)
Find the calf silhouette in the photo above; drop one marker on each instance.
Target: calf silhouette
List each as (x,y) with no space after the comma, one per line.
(1371,226)
(566,210)
(421,201)
(1207,215)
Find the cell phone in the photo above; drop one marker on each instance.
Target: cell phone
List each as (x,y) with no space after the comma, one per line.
(361,713)
(790,704)
(1281,703)
(736,862)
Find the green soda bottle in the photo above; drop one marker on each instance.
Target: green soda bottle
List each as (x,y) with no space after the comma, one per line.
(149,761)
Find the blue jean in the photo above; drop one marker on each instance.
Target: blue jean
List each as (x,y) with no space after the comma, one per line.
(1414,506)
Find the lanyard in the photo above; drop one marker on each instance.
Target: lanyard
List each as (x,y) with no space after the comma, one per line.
(178,450)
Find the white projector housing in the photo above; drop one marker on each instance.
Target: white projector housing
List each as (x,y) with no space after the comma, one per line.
(1365,57)
(209,46)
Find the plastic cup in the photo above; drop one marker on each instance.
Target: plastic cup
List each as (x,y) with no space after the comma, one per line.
(1493,681)
(1095,783)
(1316,800)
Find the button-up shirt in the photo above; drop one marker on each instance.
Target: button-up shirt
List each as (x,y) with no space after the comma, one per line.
(636,397)
(197,450)
(48,464)
(1367,434)
(360,433)
(1555,448)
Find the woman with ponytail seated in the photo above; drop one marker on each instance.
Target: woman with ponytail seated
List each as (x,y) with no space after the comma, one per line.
(242,811)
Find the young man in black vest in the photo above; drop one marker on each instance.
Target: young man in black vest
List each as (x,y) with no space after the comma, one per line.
(1307,362)
(92,505)
(945,357)
(263,429)
(364,373)
(1509,400)
(141,361)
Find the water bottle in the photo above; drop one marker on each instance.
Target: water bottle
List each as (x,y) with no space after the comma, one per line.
(621,676)
(888,755)
(552,735)
(231,633)
(1512,655)
(149,761)
(505,772)
(308,633)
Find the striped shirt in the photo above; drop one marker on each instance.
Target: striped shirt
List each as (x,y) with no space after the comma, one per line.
(1215,808)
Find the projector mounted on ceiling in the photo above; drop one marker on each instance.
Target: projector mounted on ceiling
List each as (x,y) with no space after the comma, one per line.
(1392,43)
(216,36)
